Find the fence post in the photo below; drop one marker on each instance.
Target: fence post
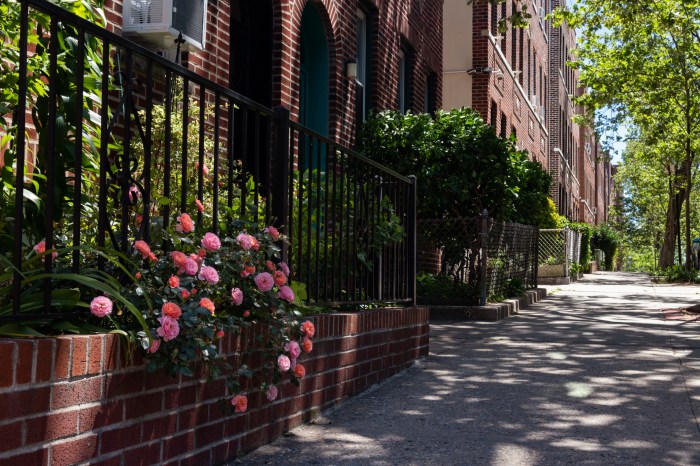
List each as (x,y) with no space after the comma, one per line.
(412,231)
(280,174)
(567,240)
(484,254)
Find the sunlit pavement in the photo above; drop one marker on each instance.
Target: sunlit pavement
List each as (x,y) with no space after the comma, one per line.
(592,375)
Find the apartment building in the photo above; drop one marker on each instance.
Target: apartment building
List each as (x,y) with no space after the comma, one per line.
(498,70)
(328,61)
(518,80)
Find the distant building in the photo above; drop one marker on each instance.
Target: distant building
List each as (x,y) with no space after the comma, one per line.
(500,72)
(517,79)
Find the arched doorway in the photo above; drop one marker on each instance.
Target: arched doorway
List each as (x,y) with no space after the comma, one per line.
(314,69)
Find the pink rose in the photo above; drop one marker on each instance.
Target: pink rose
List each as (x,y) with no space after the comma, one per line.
(293,349)
(191,267)
(264,281)
(134,193)
(308,328)
(209,274)
(284,268)
(271,392)
(185,225)
(270,266)
(40,247)
(284,363)
(101,306)
(211,242)
(286,293)
(272,231)
(237,296)
(245,240)
(280,278)
(169,328)
(240,402)
(197,258)
(155,344)
(143,248)
(173,281)
(200,206)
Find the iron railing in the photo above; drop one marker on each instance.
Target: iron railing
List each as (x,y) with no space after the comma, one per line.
(483,258)
(118,159)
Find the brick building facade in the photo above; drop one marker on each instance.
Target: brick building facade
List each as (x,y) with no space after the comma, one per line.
(328,61)
(518,80)
(501,73)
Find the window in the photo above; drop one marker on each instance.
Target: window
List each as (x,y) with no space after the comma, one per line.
(362,90)
(514,46)
(494,19)
(494,114)
(502,44)
(403,82)
(520,56)
(430,93)
(504,125)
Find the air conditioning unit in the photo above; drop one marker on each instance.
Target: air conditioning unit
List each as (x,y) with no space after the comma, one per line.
(542,111)
(160,22)
(595,210)
(587,148)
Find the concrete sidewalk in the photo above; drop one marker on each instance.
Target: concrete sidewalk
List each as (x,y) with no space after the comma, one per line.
(593,374)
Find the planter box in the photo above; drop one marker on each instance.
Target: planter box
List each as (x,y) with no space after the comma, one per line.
(72,399)
(555,270)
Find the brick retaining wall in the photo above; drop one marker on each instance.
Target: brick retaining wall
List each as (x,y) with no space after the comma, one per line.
(71,399)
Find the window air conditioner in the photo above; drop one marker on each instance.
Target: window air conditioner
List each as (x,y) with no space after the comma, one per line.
(542,111)
(533,100)
(159,22)
(587,148)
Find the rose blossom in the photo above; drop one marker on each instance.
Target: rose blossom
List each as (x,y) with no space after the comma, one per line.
(40,248)
(191,267)
(308,328)
(237,296)
(155,344)
(169,328)
(271,392)
(284,363)
(207,304)
(197,258)
(293,349)
(240,402)
(174,281)
(286,293)
(246,313)
(264,281)
(273,232)
(270,266)
(245,240)
(101,306)
(300,371)
(205,169)
(180,260)
(308,345)
(284,268)
(280,278)
(211,242)
(138,275)
(184,293)
(134,193)
(248,270)
(200,206)
(185,225)
(220,334)
(209,274)
(143,248)
(256,245)
(171,310)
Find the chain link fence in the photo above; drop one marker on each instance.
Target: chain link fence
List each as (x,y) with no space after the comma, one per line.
(558,250)
(468,260)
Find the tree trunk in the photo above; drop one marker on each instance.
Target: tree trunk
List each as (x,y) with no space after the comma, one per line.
(667,247)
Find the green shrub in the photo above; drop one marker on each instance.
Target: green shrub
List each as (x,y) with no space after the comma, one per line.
(607,240)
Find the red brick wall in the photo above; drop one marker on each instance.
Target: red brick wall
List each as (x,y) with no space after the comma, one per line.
(416,23)
(70,399)
(512,92)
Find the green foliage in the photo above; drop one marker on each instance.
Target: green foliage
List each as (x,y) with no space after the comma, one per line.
(461,164)
(62,152)
(586,231)
(678,274)
(443,286)
(606,239)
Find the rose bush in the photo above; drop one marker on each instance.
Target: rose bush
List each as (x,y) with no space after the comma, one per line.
(205,287)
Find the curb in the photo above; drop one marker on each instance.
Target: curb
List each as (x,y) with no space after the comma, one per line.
(489,312)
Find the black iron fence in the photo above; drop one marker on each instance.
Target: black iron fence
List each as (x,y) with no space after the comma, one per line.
(472,260)
(114,141)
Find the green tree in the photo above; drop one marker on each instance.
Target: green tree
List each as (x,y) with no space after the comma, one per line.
(640,60)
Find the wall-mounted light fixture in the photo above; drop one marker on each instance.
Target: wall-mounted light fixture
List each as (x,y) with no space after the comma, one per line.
(351,69)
